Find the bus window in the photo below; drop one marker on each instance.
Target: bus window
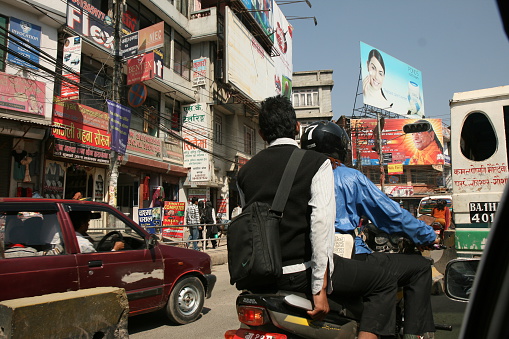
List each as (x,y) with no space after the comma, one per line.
(478,138)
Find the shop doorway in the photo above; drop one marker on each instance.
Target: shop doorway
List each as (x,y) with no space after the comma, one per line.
(127,193)
(76,181)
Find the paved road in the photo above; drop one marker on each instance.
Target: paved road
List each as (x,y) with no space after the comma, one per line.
(219,315)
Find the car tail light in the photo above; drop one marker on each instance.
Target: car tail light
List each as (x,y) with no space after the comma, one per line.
(252,315)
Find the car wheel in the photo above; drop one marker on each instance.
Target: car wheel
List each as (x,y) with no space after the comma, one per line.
(186,301)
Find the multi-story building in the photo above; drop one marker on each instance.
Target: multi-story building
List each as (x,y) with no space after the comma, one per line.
(184,81)
(312,95)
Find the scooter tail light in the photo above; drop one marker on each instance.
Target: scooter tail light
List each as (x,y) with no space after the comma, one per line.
(252,315)
(230,334)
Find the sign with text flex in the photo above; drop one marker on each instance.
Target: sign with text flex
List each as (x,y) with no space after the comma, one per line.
(195,130)
(120,120)
(71,59)
(24,31)
(199,72)
(425,148)
(142,41)
(391,85)
(145,67)
(88,21)
(22,94)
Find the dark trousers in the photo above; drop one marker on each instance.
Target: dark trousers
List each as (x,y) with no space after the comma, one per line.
(354,278)
(413,273)
(211,232)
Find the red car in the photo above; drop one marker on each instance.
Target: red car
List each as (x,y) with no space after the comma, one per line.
(40,254)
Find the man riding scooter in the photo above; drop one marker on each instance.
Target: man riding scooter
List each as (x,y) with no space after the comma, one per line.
(357,196)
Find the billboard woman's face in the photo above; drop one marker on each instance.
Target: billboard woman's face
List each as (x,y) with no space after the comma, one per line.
(376,73)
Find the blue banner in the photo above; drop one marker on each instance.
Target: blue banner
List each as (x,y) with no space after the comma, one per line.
(26,32)
(120,119)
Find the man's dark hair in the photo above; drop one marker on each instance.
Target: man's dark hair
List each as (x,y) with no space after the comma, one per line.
(277,118)
(77,218)
(193,200)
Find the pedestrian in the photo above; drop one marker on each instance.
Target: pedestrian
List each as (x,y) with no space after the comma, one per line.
(209,215)
(193,221)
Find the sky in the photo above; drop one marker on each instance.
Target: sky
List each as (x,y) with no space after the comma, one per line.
(458,45)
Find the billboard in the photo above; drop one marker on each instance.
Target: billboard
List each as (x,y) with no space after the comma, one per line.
(390,84)
(195,129)
(22,94)
(425,148)
(283,64)
(71,59)
(144,67)
(142,41)
(261,11)
(256,81)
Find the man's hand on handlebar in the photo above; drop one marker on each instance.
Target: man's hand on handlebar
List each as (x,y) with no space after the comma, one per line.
(433,246)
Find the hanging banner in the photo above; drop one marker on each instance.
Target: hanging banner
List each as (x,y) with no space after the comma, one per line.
(71,59)
(196,130)
(28,32)
(173,214)
(120,120)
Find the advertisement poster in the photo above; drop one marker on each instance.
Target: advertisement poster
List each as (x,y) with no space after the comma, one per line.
(24,31)
(144,67)
(144,40)
(120,120)
(22,94)
(262,13)
(389,84)
(146,220)
(72,60)
(196,130)
(222,208)
(283,63)
(173,215)
(87,20)
(425,148)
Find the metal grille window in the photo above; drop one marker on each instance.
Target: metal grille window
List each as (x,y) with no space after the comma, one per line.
(249,140)
(305,97)
(218,129)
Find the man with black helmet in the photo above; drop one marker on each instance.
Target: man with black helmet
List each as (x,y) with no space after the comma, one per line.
(307,226)
(357,196)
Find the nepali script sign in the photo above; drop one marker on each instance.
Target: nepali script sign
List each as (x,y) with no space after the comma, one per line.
(195,122)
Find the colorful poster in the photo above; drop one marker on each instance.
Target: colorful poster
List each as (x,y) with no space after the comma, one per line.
(390,84)
(24,31)
(22,94)
(120,120)
(72,60)
(196,130)
(283,64)
(425,148)
(173,214)
(262,13)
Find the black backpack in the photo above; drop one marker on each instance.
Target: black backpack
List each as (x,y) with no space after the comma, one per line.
(254,250)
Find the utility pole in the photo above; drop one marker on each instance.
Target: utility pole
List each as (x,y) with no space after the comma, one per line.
(378,140)
(117,78)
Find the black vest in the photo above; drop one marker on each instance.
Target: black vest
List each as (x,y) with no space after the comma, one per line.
(259,179)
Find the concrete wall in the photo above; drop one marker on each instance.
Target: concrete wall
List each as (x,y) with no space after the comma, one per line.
(76,314)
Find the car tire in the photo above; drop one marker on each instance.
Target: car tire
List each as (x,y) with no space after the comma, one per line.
(186,301)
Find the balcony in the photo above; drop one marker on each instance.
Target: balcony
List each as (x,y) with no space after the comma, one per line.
(203,25)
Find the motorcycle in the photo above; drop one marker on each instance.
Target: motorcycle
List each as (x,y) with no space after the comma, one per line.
(282,314)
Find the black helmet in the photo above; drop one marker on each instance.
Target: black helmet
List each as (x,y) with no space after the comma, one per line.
(326,137)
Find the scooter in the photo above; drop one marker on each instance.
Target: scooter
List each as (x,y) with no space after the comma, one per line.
(282,314)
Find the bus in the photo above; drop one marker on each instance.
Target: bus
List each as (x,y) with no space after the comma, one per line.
(479,163)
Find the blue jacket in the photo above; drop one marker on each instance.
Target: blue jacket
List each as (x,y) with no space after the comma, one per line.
(356,196)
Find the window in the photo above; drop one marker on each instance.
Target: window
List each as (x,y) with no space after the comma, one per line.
(99,75)
(218,129)
(305,97)
(427,177)
(167,46)
(4,22)
(249,140)
(182,56)
(171,118)
(478,138)
(151,110)
(182,6)
(29,232)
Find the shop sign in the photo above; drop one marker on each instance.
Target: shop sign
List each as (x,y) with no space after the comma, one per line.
(24,31)
(71,59)
(86,20)
(144,144)
(81,124)
(199,72)
(173,215)
(77,151)
(144,40)
(144,67)
(22,94)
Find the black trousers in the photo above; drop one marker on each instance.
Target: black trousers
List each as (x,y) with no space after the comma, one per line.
(413,273)
(354,278)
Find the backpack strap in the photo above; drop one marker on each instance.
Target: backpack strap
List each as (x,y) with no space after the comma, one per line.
(286,183)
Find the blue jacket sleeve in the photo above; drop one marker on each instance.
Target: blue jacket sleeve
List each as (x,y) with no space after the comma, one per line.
(359,196)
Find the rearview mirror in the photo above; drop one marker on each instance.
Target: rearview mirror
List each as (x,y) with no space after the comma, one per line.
(152,241)
(459,278)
